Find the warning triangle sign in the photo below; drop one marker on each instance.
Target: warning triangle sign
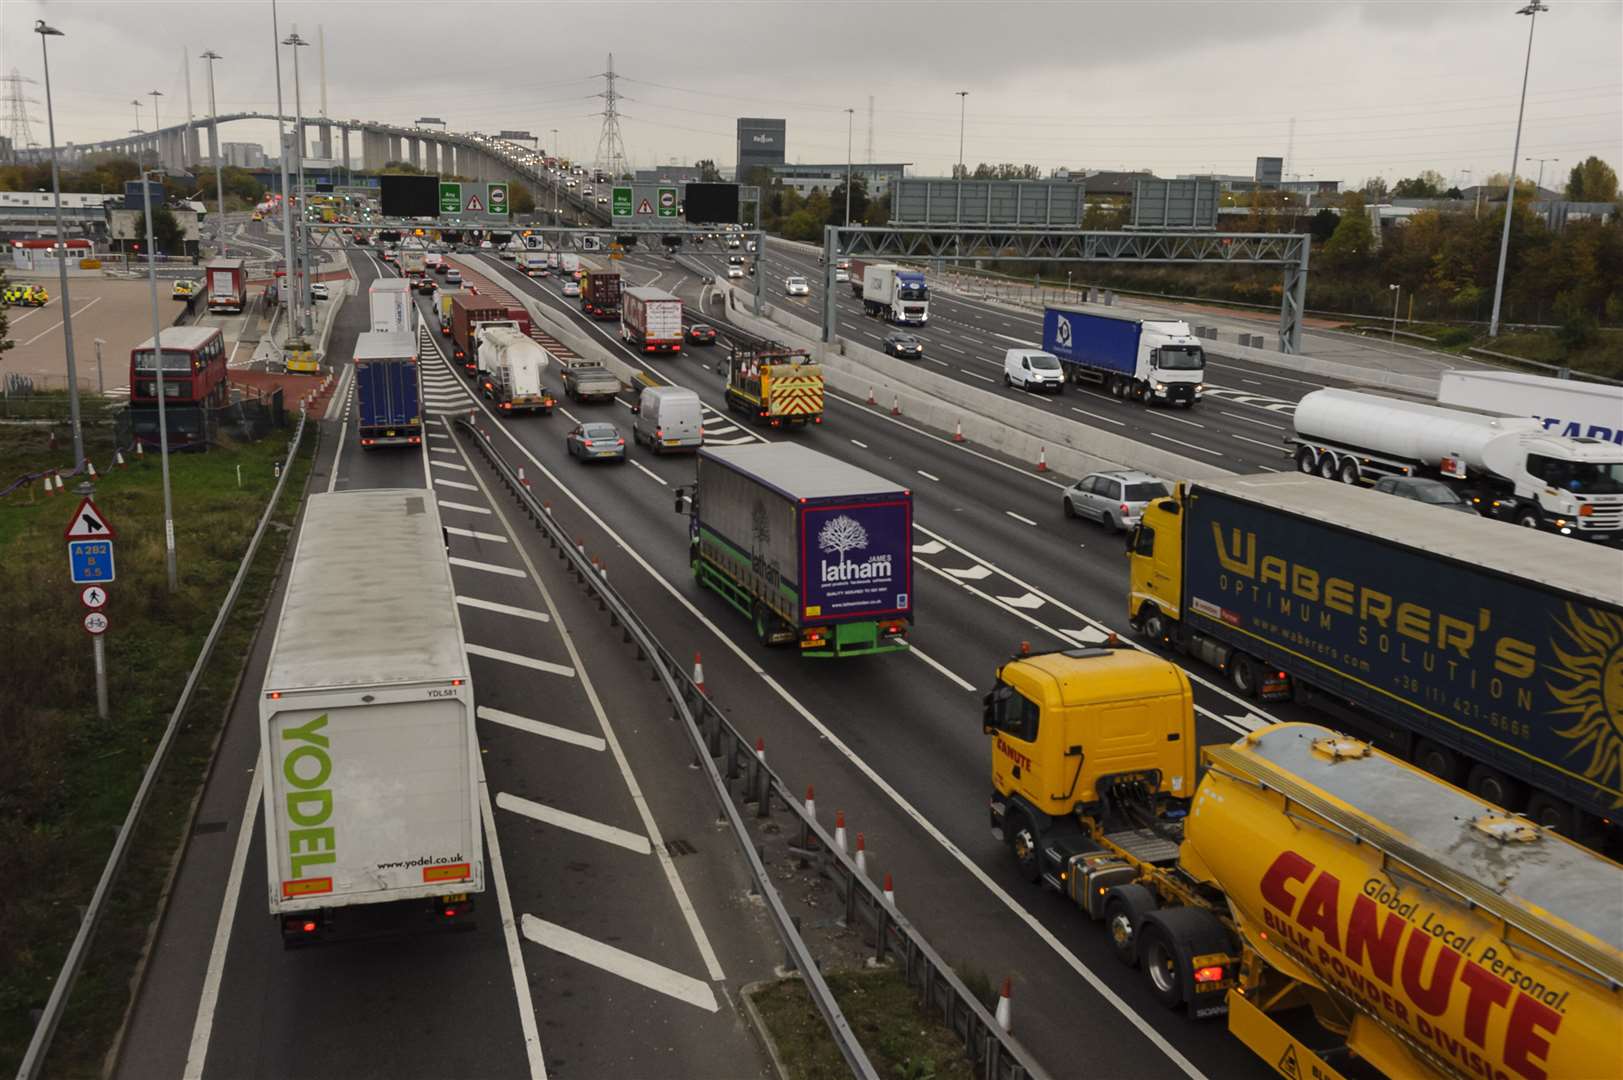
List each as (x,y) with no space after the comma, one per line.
(475,205)
(645,207)
(88,524)
(1287,1064)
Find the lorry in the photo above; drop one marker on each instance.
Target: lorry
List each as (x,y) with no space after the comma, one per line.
(1470,647)
(366,726)
(469,310)
(1508,467)
(817,553)
(1569,407)
(651,320)
(533,262)
(510,365)
(600,296)
(891,292)
(412,260)
(388,398)
(442,304)
(568,263)
(1155,361)
(589,380)
(227,283)
(774,384)
(1305,868)
(391,306)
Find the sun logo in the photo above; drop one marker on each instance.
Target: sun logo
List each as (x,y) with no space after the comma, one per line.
(1590,689)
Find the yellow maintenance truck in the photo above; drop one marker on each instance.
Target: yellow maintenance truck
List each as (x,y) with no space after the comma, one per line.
(1307,876)
(775,385)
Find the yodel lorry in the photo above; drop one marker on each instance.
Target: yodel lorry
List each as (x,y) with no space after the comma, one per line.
(366,727)
(774,385)
(389,300)
(817,554)
(388,392)
(510,367)
(893,293)
(226,281)
(600,295)
(1306,877)
(1154,361)
(1486,654)
(1508,467)
(1569,407)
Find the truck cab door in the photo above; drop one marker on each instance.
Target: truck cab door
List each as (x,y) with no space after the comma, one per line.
(1155,574)
(1012,719)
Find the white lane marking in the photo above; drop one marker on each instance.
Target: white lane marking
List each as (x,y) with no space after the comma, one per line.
(1253,382)
(861,444)
(951,348)
(970,573)
(929,547)
(1180,442)
(563,819)
(475,534)
(1019,517)
(933,360)
(1276,447)
(978,375)
(208,1000)
(1087,635)
(540,727)
(442,449)
(630,967)
(459,485)
(489,568)
(572,416)
(928,476)
(515,954)
(518,660)
(658,479)
(1181,420)
(1096,416)
(942,668)
(80,311)
(446,504)
(1020,341)
(503,609)
(1252,420)
(1025,601)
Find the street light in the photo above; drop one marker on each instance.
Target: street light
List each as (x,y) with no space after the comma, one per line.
(219,146)
(1532,10)
(1397,291)
(1541,160)
(293,39)
(850,122)
(44,31)
(557,178)
(963,95)
(156,134)
(157,370)
(287,295)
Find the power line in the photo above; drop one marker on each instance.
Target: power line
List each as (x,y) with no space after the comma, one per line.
(611,149)
(19,122)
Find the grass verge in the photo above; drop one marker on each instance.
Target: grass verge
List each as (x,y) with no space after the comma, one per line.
(67,785)
(884,1013)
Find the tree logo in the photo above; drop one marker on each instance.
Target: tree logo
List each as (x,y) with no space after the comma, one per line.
(842,534)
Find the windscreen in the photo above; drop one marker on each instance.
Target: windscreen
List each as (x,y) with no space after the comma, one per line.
(912,292)
(172,360)
(1181,358)
(1043,362)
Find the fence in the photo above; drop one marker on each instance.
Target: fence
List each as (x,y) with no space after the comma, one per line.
(200,426)
(995,1053)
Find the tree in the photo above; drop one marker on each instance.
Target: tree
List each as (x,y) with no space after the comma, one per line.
(1353,242)
(1592,180)
(859,201)
(1324,225)
(1374,189)
(1428,185)
(520,200)
(708,173)
(398,168)
(166,232)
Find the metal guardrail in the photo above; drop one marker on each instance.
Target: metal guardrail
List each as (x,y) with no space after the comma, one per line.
(996,1054)
(40,1044)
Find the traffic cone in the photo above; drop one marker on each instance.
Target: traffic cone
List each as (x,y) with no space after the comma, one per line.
(958,432)
(1042,459)
(140,453)
(1004,1010)
(895,405)
(890,891)
(60,486)
(862,856)
(871,400)
(118,460)
(698,674)
(760,749)
(50,487)
(839,830)
(90,469)
(811,803)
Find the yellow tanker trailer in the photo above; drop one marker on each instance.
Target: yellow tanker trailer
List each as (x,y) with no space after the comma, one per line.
(1430,933)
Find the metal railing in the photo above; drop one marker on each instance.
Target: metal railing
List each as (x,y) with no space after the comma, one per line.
(996,1054)
(40,1044)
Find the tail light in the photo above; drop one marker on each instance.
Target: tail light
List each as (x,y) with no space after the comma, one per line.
(619,442)
(308,926)
(1210,974)
(507,404)
(1124,509)
(659,433)
(586,443)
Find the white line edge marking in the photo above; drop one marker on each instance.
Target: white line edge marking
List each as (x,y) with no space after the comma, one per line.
(1019,517)
(540,727)
(628,966)
(583,826)
(1191,446)
(518,659)
(941,668)
(515,953)
(650,473)
(505,609)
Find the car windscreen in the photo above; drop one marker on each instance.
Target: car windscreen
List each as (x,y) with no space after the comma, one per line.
(599,431)
(1043,362)
(1181,358)
(1144,491)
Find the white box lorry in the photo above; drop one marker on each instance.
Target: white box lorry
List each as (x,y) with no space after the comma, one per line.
(510,365)
(1565,406)
(366,726)
(891,292)
(392,309)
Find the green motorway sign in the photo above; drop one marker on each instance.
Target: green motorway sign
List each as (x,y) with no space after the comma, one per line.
(496,199)
(450,198)
(667,202)
(622,202)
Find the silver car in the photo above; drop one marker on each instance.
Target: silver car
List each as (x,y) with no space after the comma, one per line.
(1115,499)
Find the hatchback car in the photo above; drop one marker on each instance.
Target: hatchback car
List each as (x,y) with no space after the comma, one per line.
(735,271)
(702,334)
(570,287)
(1425,490)
(427,285)
(796,286)
(905,346)
(319,291)
(1115,499)
(596,442)
(453,276)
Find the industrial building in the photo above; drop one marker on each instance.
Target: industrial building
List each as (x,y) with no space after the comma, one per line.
(760,144)
(806,179)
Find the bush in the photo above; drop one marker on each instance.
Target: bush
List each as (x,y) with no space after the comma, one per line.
(1454,335)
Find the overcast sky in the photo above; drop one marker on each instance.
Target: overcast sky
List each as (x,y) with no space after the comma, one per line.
(1373,88)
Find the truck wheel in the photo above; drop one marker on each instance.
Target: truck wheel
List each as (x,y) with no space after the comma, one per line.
(1125,908)
(1486,782)
(1551,813)
(1438,760)
(1348,473)
(1152,624)
(1306,460)
(1327,466)
(1023,841)
(1162,968)
(1243,674)
(1528,517)
(763,624)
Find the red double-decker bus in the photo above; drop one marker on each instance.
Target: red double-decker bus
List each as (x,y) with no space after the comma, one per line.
(194,381)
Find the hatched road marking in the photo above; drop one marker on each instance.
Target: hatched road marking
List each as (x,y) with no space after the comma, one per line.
(540,727)
(618,962)
(489,568)
(562,819)
(515,658)
(505,609)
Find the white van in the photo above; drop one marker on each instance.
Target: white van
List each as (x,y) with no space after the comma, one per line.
(1033,369)
(669,418)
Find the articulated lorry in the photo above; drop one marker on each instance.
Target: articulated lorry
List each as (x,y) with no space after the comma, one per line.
(471,310)
(600,295)
(815,552)
(1569,407)
(392,310)
(510,365)
(413,260)
(650,320)
(226,281)
(891,292)
(1508,466)
(774,385)
(388,397)
(1307,876)
(1147,360)
(1479,651)
(366,727)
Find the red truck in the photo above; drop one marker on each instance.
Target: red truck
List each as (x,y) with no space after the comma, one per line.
(468,311)
(600,294)
(651,320)
(226,282)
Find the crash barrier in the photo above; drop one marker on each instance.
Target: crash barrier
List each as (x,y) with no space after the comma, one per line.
(62,986)
(996,1053)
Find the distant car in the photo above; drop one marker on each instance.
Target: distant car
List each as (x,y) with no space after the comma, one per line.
(905,346)
(1115,499)
(453,276)
(319,291)
(732,241)
(702,334)
(185,289)
(440,267)
(1425,490)
(734,270)
(602,200)
(796,286)
(427,286)
(485,245)
(596,441)
(387,256)
(361,240)
(571,287)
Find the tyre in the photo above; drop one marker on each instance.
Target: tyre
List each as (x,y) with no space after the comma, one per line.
(1152,624)
(1243,674)
(1306,460)
(1552,813)
(1125,908)
(1327,466)
(1528,517)
(1007,381)
(763,624)
(1023,841)
(1114,523)
(1438,760)
(1348,473)
(1070,511)
(1486,782)
(1162,969)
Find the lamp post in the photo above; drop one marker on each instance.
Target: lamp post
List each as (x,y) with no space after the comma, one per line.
(46,32)
(1532,10)
(157,376)
(219,146)
(296,42)
(1397,291)
(850,123)
(289,297)
(137,103)
(1537,186)
(156,134)
(557,179)
(963,96)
